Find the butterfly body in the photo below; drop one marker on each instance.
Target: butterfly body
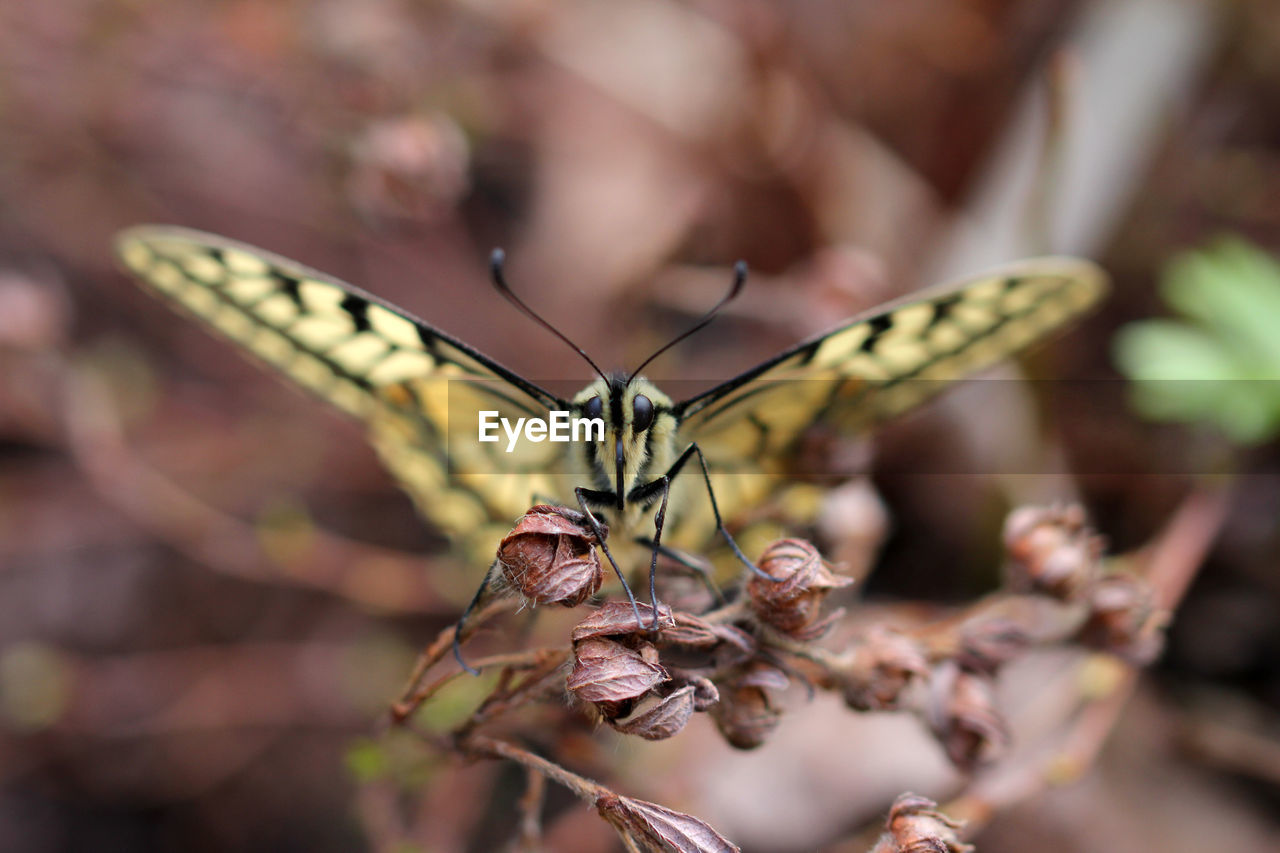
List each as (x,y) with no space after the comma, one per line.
(639,445)
(422,394)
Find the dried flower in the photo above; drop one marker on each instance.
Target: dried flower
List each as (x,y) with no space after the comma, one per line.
(962,713)
(551,557)
(656,828)
(1051,550)
(671,713)
(791,603)
(744,715)
(916,826)
(663,719)
(616,664)
(757,673)
(612,676)
(880,669)
(693,644)
(617,618)
(1124,620)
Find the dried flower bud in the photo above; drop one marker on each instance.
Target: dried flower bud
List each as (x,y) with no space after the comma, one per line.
(1052,551)
(760,674)
(880,668)
(670,714)
(692,644)
(988,644)
(744,717)
(691,632)
(963,716)
(791,603)
(617,619)
(551,557)
(1124,620)
(744,714)
(649,826)
(916,826)
(612,676)
(705,694)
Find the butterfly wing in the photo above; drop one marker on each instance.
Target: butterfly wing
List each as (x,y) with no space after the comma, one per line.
(419,390)
(879,365)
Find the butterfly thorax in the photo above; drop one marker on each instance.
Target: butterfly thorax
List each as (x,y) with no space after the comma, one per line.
(639,443)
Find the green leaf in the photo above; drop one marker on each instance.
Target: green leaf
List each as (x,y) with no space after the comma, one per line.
(1166,350)
(1222,367)
(1233,289)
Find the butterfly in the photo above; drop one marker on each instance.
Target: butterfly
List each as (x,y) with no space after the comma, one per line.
(426,397)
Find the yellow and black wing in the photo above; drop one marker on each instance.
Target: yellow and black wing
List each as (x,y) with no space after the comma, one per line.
(880,364)
(419,390)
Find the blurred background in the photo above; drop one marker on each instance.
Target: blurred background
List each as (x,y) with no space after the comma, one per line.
(209,589)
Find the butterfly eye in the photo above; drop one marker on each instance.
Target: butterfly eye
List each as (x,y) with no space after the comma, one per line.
(641,413)
(594,407)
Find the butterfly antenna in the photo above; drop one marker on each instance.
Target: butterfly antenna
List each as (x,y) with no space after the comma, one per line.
(496,263)
(739,279)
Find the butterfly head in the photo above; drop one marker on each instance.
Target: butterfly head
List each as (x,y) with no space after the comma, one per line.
(639,431)
(640,421)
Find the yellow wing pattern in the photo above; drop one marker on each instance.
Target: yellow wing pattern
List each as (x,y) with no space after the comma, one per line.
(418,390)
(874,367)
(888,361)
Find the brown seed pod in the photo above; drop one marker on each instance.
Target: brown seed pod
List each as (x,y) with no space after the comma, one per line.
(1051,551)
(649,826)
(612,676)
(791,603)
(744,715)
(962,713)
(916,826)
(671,713)
(550,557)
(1124,620)
(881,668)
(617,619)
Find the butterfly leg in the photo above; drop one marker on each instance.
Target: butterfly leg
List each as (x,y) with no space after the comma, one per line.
(659,519)
(462,620)
(675,469)
(688,561)
(583,495)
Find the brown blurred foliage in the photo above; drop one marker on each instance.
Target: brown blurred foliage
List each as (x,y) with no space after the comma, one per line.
(209,590)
